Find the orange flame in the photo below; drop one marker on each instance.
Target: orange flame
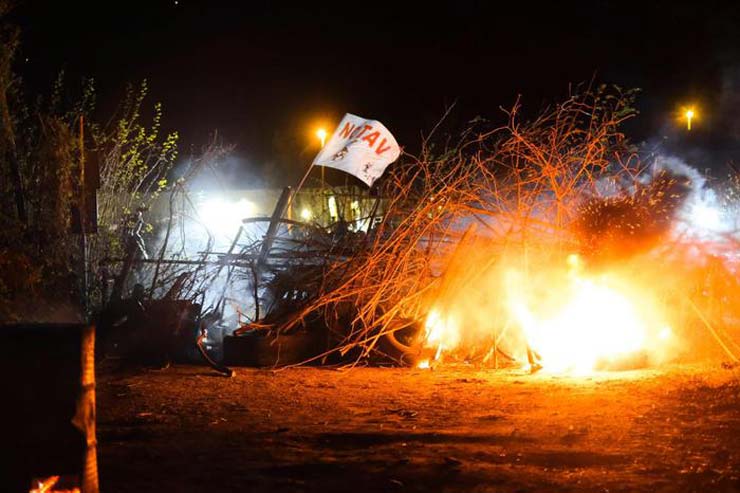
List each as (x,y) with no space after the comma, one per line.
(597,320)
(441,333)
(596,323)
(47,486)
(574,324)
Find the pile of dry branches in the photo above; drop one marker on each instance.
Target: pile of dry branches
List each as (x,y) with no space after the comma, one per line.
(521,187)
(567,181)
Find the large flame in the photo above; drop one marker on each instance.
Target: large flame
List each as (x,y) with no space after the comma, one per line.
(595,323)
(567,321)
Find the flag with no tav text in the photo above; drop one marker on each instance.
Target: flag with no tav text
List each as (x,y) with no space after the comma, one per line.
(360,147)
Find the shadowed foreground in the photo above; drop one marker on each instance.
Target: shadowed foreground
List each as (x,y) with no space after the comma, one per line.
(456,429)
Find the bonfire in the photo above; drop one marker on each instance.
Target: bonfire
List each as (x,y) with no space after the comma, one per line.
(548,244)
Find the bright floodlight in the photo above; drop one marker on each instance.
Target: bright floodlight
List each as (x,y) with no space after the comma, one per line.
(321,134)
(224,217)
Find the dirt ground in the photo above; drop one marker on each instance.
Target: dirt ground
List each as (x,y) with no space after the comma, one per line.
(187,429)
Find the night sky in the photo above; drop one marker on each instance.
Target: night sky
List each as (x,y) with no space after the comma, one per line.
(263,73)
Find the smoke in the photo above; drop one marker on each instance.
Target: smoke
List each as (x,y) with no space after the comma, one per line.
(199,223)
(230,172)
(679,167)
(709,213)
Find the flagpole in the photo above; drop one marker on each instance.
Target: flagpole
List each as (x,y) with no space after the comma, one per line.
(298,188)
(321,134)
(303,180)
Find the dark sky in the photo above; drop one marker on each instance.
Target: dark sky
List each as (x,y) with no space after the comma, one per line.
(262,72)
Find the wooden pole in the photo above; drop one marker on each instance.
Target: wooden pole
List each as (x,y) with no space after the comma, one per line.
(83,217)
(85,416)
(303,180)
(221,305)
(277,214)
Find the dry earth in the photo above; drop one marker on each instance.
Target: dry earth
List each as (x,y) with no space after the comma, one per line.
(186,429)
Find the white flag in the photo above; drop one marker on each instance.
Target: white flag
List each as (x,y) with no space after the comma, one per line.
(363,148)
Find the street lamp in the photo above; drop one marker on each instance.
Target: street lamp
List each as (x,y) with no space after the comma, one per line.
(689,115)
(321,134)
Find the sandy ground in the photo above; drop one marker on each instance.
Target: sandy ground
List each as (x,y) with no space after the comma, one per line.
(187,429)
